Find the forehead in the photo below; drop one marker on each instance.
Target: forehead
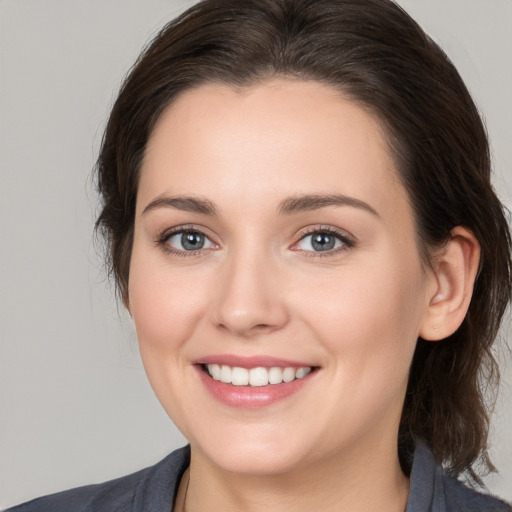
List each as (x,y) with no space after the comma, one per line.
(278,137)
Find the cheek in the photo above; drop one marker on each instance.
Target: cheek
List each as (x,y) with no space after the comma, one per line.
(165,304)
(368,318)
(166,307)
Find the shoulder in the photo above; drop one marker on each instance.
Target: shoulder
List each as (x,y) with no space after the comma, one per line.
(152,488)
(434,491)
(458,497)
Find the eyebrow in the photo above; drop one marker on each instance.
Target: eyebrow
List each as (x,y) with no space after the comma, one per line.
(294,204)
(184,203)
(305,203)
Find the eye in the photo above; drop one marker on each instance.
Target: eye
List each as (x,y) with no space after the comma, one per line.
(324,241)
(187,241)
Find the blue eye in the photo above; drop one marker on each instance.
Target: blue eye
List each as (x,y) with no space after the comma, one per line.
(189,241)
(322,241)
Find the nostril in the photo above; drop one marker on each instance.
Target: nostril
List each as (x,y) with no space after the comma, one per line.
(262,327)
(246,329)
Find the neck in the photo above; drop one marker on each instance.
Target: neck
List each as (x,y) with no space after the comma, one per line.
(345,482)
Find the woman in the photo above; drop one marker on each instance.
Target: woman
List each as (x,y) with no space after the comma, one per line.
(300,220)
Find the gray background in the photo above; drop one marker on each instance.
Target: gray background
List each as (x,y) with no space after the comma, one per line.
(75,404)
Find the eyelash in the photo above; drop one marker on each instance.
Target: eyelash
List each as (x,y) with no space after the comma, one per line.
(166,235)
(347,241)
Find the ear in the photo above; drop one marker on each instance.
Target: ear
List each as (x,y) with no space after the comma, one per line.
(452,280)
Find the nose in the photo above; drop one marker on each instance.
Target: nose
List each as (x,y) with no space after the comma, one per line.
(251,301)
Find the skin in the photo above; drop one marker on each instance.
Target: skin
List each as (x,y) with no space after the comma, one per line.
(258,288)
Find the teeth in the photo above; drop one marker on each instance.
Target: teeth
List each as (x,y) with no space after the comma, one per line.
(302,372)
(225,374)
(288,374)
(214,370)
(239,376)
(256,376)
(275,375)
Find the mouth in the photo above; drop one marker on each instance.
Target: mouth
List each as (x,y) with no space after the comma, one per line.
(256,377)
(253,382)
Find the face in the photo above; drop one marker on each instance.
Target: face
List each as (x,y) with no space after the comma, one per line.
(275,282)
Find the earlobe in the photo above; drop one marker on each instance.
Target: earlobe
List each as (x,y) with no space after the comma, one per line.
(453,277)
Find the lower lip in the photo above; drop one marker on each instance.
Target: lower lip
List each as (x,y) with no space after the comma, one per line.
(251,397)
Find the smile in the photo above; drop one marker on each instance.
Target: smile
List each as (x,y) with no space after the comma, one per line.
(253,382)
(256,377)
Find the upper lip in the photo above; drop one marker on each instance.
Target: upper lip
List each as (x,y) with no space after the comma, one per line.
(250,361)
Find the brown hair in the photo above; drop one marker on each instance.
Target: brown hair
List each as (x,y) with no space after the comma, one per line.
(377,55)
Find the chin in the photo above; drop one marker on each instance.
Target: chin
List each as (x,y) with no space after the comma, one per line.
(255,460)
(268,452)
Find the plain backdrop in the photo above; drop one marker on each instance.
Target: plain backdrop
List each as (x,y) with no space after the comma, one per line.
(74,401)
